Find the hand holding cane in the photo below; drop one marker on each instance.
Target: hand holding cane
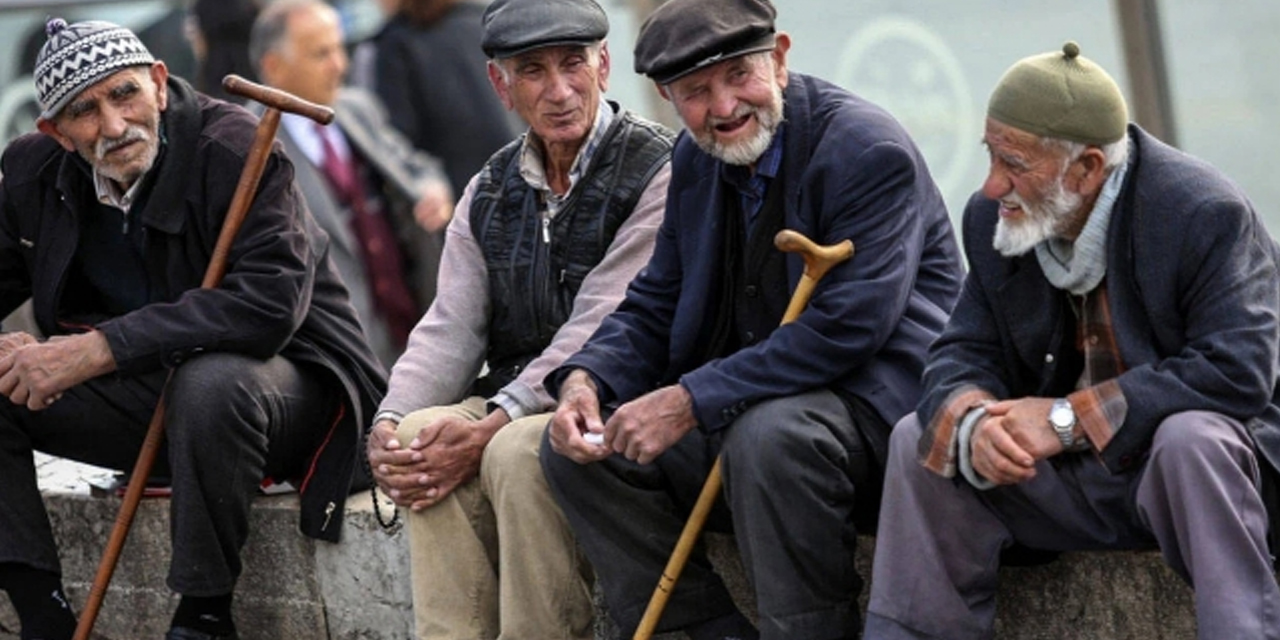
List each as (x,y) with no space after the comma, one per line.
(818,260)
(276,101)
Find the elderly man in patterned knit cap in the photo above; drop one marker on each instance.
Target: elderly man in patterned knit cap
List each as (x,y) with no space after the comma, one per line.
(108,218)
(1107,380)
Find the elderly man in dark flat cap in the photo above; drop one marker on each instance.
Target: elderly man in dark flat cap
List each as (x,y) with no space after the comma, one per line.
(545,239)
(694,360)
(1107,381)
(108,218)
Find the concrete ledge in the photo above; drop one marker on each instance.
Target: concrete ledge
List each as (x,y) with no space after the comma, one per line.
(297,589)
(293,588)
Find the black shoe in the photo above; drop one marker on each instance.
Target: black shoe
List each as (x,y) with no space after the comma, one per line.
(187,633)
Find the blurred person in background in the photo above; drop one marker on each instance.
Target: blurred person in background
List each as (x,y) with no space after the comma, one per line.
(220,36)
(365,184)
(430,73)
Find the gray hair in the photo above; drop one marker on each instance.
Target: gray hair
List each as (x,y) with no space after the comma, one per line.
(1115,153)
(268,33)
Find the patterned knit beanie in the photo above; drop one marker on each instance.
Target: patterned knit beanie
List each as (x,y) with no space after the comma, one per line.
(1061,95)
(77,56)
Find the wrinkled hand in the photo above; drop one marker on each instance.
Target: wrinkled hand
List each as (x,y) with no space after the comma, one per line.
(578,414)
(444,455)
(395,468)
(435,209)
(36,374)
(645,427)
(10,342)
(1011,438)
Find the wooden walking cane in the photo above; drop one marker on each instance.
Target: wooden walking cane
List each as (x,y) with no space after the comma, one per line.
(276,101)
(817,262)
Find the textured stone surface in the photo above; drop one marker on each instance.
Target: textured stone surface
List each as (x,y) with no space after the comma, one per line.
(294,588)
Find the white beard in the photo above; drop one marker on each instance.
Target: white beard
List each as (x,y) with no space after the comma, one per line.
(747,151)
(1039,222)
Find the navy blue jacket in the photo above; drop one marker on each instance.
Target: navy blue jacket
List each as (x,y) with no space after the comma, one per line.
(1194,299)
(851,171)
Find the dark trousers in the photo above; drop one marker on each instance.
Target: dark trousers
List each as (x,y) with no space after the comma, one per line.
(230,421)
(792,469)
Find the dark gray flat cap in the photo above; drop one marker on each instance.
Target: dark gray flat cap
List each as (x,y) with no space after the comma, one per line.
(512,27)
(683,36)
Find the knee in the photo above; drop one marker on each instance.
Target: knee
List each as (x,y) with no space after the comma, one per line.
(1198,435)
(513,451)
(215,389)
(767,441)
(211,383)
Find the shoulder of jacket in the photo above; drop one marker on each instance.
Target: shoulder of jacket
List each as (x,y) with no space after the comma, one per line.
(27,157)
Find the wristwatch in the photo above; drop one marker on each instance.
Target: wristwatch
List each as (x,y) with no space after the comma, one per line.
(1063,420)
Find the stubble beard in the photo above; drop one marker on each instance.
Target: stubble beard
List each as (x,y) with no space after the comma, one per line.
(125,173)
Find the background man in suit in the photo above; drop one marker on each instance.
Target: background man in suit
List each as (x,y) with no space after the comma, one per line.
(799,414)
(364,183)
(1103,379)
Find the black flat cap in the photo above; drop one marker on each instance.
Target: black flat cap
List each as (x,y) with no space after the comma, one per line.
(683,36)
(512,27)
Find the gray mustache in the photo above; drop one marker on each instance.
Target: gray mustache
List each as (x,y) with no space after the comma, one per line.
(131,135)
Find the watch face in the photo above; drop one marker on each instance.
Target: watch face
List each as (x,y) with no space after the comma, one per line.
(1061,414)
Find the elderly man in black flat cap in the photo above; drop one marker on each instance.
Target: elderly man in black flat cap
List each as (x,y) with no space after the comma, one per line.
(697,365)
(545,240)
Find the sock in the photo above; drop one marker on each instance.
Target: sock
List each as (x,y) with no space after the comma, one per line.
(38,598)
(734,626)
(206,615)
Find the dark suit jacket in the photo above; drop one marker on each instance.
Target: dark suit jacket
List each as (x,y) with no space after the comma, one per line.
(403,173)
(850,171)
(434,82)
(1195,307)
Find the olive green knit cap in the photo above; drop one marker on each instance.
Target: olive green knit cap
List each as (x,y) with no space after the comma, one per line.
(1061,95)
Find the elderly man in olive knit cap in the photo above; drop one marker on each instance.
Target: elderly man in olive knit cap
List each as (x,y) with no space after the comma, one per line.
(1107,380)
(697,365)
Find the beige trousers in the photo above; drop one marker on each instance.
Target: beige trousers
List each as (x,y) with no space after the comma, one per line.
(502,524)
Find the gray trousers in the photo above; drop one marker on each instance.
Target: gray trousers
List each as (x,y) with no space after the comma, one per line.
(792,468)
(1195,498)
(230,421)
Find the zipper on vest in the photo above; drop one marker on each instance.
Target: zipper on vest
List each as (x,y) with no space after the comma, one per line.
(546,227)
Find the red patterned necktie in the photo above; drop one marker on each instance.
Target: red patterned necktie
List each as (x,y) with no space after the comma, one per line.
(379,250)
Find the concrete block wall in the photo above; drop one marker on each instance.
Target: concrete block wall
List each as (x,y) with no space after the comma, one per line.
(295,588)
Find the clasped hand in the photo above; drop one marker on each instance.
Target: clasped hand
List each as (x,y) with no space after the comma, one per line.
(640,430)
(1011,438)
(443,456)
(36,374)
